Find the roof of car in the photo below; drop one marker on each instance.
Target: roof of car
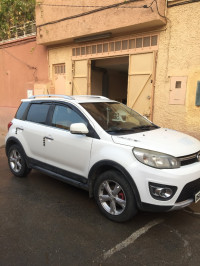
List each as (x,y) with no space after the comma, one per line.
(77,98)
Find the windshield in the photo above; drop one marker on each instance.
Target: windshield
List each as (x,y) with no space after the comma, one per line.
(116,118)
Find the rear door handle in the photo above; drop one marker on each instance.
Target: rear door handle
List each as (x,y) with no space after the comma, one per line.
(18,128)
(48,138)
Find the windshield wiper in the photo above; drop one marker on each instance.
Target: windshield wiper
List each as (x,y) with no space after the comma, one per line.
(133,129)
(119,130)
(147,127)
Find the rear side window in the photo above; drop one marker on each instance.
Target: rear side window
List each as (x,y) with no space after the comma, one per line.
(21,110)
(38,113)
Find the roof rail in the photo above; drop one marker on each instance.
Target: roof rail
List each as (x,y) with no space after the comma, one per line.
(92,96)
(52,95)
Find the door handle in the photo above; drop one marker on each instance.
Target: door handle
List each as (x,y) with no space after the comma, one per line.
(18,128)
(48,138)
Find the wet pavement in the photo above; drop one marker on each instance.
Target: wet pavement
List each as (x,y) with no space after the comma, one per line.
(46,222)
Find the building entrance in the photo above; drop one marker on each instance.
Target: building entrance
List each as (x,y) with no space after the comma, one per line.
(109,77)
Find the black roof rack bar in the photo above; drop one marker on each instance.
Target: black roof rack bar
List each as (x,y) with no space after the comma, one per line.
(52,95)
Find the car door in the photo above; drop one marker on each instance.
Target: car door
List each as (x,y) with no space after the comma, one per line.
(68,153)
(31,131)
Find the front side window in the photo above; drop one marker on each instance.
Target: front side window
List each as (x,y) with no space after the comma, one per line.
(64,116)
(116,118)
(38,113)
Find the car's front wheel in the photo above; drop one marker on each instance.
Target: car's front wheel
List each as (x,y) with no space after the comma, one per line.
(114,196)
(16,161)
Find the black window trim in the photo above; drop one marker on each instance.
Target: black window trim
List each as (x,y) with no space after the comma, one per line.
(92,133)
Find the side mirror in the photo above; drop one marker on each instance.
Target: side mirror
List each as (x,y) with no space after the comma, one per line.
(79,128)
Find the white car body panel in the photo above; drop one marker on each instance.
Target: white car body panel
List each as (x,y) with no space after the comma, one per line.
(161,140)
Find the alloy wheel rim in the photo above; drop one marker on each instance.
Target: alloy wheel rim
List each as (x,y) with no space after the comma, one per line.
(112,197)
(15,161)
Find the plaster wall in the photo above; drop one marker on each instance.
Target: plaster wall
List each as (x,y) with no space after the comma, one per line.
(64,21)
(61,55)
(179,55)
(23,63)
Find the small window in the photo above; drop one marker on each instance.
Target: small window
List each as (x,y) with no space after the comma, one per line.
(138,42)
(146,41)
(59,69)
(38,113)
(154,40)
(125,45)
(105,47)
(117,46)
(64,116)
(132,44)
(94,49)
(82,50)
(178,85)
(111,46)
(99,48)
(78,51)
(88,49)
(21,110)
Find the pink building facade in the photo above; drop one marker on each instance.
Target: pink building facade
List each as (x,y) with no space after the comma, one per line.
(23,68)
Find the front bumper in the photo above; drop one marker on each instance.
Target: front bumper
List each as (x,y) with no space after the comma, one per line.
(165,208)
(185,178)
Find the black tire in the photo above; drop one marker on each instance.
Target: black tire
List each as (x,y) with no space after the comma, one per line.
(17,162)
(114,196)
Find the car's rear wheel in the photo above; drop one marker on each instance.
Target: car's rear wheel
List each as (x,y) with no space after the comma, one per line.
(17,162)
(114,196)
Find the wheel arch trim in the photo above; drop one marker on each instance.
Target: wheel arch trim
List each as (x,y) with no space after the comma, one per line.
(12,141)
(106,165)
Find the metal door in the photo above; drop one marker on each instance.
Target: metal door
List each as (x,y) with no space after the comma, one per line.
(60,84)
(60,79)
(81,77)
(141,83)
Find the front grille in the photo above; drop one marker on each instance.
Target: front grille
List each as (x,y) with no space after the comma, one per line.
(189,159)
(189,190)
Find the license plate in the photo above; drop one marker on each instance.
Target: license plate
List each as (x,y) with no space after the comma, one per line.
(197,197)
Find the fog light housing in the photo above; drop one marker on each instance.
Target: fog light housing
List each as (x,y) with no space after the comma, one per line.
(162,192)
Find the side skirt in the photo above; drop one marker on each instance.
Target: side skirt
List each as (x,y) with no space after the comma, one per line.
(62,178)
(59,174)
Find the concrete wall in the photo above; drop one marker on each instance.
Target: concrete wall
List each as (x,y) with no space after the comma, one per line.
(23,64)
(179,55)
(71,23)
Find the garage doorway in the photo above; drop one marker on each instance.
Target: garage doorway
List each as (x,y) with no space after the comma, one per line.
(109,77)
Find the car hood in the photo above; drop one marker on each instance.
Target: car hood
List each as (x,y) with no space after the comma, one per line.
(161,140)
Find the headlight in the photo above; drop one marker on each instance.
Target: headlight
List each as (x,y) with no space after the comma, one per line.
(156,159)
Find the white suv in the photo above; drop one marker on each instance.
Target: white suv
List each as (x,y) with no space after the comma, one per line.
(125,161)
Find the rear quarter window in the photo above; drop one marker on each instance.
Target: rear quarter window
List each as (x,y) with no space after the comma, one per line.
(21,110)
(38,113)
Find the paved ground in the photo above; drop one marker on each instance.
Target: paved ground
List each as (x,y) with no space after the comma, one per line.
(46,222)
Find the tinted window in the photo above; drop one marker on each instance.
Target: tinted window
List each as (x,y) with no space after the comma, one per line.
(64,116)
(21,110)
(38,113)
(117,118)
